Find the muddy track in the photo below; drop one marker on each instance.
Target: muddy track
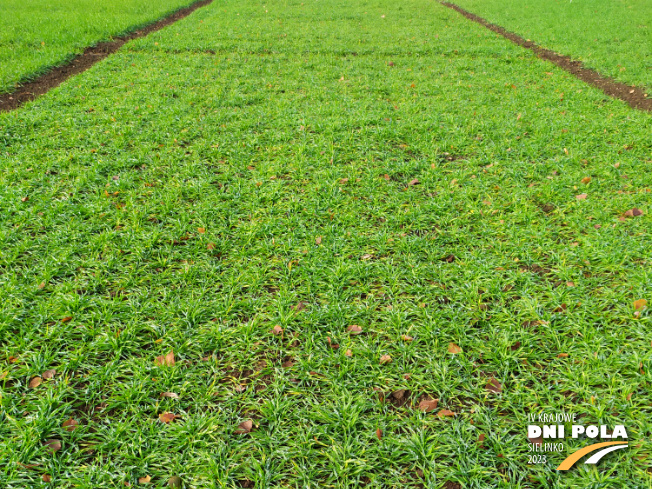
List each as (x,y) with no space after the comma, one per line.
(53,78)
(635,97)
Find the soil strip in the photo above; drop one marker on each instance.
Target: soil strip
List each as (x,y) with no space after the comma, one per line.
(91,55)
(635,97)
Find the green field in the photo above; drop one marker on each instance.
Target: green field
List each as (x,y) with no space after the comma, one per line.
(613,37)
(313,166)
(36,35)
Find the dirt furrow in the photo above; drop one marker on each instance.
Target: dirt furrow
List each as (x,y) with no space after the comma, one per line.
(57,75)
(635,97)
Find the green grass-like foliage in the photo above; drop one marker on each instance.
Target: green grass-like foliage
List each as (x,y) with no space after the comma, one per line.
(38,34)
(190,191)
(613,37)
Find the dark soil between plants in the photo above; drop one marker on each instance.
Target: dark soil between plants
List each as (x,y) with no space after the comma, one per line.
(635,97)
(91,55)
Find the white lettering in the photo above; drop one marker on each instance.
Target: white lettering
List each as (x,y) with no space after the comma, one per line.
(533,431)
(550,431)
(577,430)
(592,431)
(619,432)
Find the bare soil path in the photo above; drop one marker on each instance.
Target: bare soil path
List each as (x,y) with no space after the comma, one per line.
(635,97)
(57,75)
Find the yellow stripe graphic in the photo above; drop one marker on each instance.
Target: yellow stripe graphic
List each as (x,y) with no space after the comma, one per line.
(574,457)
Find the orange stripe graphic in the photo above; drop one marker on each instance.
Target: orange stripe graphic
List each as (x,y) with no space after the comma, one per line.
(574,457)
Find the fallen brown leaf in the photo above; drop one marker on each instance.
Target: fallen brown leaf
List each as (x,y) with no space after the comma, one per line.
(299,307)
(244,427)
(454,349)
(171,395)
(428,405)
(175,481)
(414,182)
(53,446)
(445,412)
(406,337)
(348,353)
(562,355)
(494,386)
(166,360)
(66,319)
(166,417)
(49,374)
(379,433)
(640,304)
(318,240)
(354,329)
(634,212)
(35,382)
(449,259)
(70,424)
(41,285)
(385,359)
(144,480)
(581,196)
(398,394)
(277,330)
(210,246)
(586,180)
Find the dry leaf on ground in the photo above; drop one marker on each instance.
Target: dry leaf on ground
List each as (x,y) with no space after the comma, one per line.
(634,212)
(494,386)
(166,417)
(445,412)
(244,427)
(428,405)
(53,445)
(175,481)
(166,360)
(49,374)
